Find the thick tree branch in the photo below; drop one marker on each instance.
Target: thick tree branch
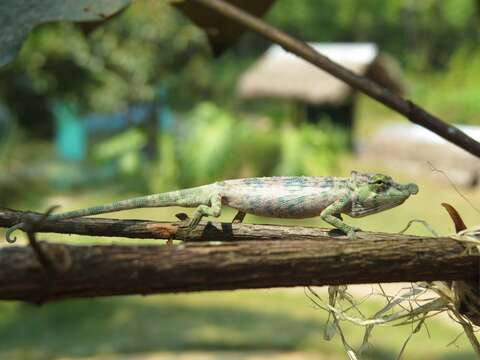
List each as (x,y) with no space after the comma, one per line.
(87,271)
(411,111)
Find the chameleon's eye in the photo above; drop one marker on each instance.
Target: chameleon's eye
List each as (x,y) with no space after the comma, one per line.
(380,185)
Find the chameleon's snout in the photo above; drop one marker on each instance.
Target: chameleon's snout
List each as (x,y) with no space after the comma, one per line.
(412,188)
(408,189)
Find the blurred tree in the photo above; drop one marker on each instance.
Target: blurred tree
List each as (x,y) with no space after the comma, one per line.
(150,44)
(121,62)
(421,33)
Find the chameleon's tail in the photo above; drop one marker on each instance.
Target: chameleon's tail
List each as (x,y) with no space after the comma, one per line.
(156,200)
(10,230)
(187,198)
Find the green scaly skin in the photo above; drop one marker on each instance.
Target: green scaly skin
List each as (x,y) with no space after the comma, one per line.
(359,195)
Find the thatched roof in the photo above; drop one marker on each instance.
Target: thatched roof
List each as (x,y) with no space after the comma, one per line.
(279,74)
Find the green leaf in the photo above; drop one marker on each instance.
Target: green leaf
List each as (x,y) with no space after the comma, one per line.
(19,17)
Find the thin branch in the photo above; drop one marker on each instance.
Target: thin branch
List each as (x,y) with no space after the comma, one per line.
(407,108)
(144,229)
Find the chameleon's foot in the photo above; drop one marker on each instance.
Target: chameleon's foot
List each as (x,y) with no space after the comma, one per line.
(12,229)
(348,231)
(186,224)
(351,233)
(193,224)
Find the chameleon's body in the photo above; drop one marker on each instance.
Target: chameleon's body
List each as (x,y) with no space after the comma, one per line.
(281,197)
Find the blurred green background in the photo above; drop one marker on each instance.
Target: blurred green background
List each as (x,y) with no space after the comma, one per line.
(202,133)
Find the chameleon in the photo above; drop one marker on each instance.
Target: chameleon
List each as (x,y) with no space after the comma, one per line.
(358,195)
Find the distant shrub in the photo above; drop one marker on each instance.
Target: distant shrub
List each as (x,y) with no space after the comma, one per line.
(311,149)
(23,165)
(211,144)
(205,145)
(454,94)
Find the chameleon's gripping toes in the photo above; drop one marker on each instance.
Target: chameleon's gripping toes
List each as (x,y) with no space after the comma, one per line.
(359,195)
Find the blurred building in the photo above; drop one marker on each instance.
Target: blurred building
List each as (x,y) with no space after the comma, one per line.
(284,76)
(418,151)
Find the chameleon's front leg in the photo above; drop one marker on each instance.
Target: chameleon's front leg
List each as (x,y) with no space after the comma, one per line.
(214,209)
(331,215)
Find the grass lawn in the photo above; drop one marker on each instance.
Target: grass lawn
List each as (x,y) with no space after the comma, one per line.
(260,320)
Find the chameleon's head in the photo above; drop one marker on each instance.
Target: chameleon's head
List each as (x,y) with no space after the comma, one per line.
(372,193)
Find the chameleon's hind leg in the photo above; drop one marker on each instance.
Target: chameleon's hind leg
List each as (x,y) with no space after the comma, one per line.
(239,217)
(214,209)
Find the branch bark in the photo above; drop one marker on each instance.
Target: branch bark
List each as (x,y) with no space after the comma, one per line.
(407,108)
(274,256)
(87,271)
(144,229)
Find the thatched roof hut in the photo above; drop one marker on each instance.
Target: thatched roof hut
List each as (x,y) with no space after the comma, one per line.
(279,74)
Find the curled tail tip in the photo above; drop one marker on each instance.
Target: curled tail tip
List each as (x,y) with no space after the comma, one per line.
(9,232)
